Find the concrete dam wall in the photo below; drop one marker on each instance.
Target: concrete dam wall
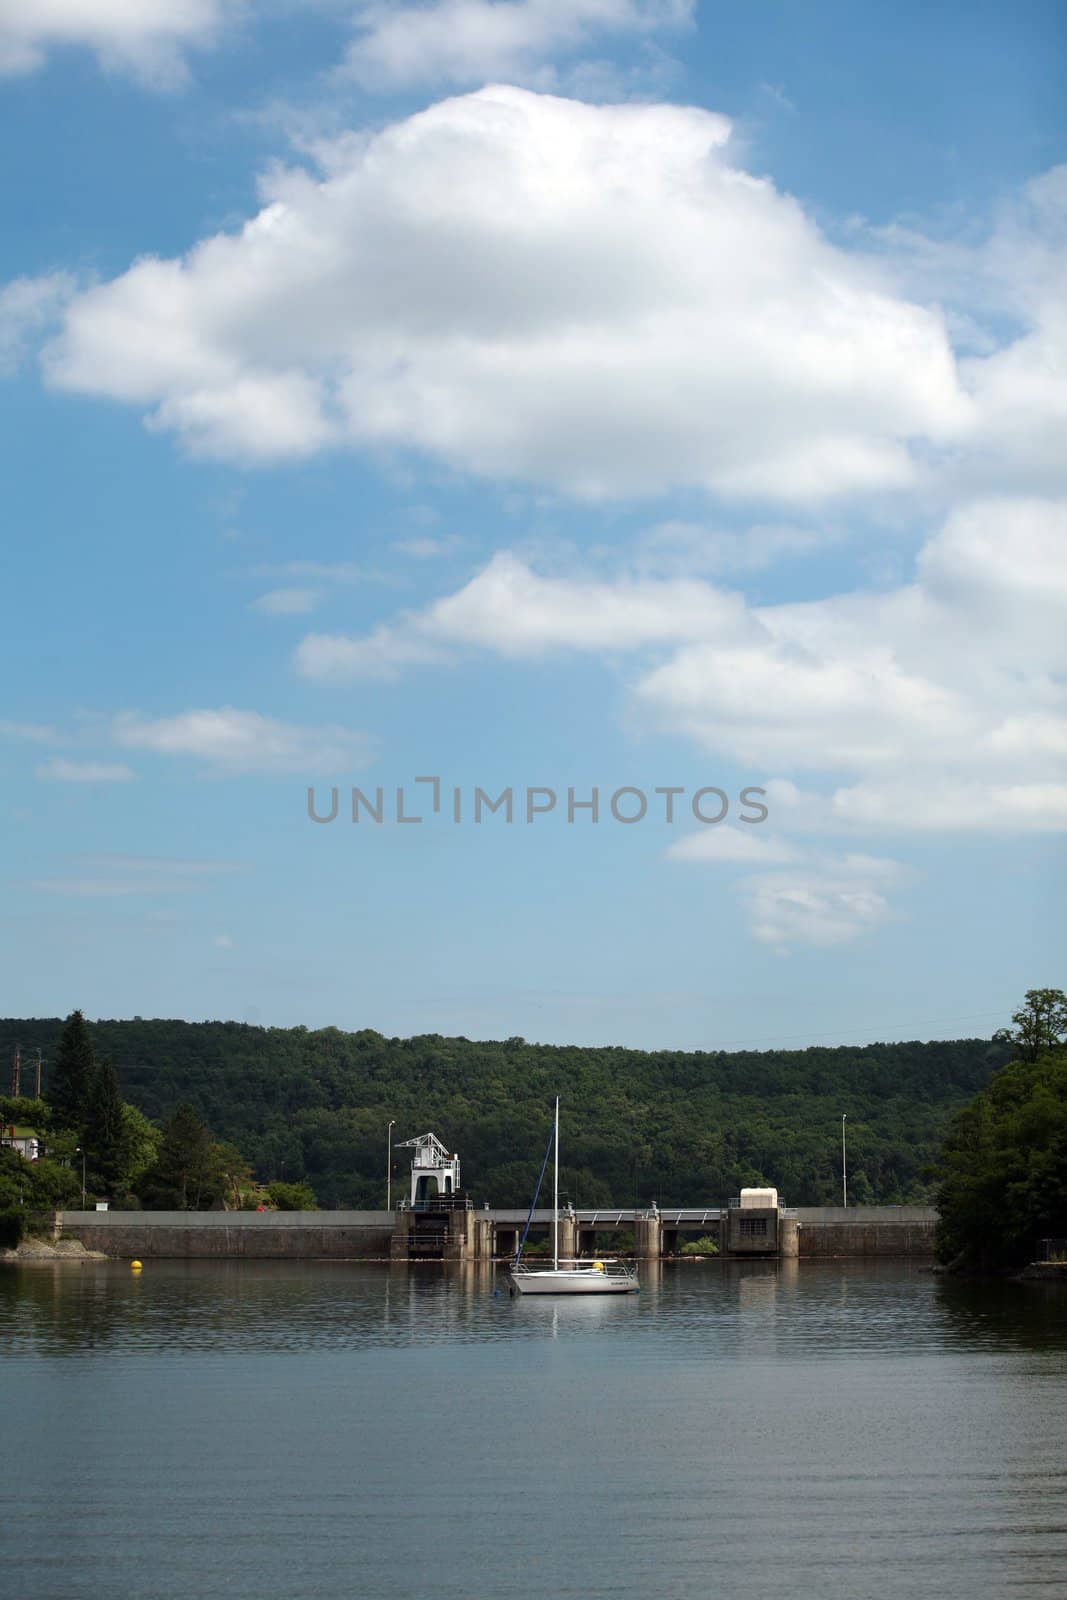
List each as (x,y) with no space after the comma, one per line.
(867,1230)
(266,1235)
(823,1231)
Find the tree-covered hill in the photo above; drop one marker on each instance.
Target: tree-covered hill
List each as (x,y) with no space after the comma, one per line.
(670,1125)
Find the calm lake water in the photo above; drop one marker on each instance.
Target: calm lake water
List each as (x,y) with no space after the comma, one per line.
(297,1431)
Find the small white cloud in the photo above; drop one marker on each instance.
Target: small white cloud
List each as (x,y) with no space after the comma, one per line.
(314,571)
(383,653)
(116,877)
(32,732)
(28,307)
(63,771)
(222,941)
(237,741)
(107,888)
(153,866)
(952,806)
(426,549)
(822,904)
(287,602)
(475,41)
(510,609)
(146,38)
(692,547)
(725,843)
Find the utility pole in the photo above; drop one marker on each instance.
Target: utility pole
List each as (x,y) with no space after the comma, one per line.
(37,1077)
(16,1074)
(844,1163)
(389,1164)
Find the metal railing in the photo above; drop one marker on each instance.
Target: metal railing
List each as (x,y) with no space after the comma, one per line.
(687,1217)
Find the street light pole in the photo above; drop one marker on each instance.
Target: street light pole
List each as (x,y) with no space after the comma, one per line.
(389,1165)
(844,1163)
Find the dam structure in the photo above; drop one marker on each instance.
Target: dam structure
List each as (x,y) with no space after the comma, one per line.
(461,1231)
(437,1220)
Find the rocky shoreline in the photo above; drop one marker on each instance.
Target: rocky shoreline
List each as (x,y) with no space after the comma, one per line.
(39,1250)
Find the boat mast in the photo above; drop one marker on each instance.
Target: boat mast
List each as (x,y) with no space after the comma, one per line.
(555,1198)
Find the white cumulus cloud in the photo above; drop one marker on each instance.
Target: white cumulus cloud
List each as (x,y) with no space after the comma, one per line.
(936,704)
(591,297)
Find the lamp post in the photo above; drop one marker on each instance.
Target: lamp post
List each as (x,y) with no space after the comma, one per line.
(389,1164)
(844,1163)
(78,1151)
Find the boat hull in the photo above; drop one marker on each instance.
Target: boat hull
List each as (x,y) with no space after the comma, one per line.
(572,1282)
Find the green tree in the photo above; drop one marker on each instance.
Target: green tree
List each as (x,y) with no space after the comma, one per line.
(30,1186)
(181,1177)
(105,1136)
(71,1074)
(705,1246)
(1004,1168)
(292,1197)
(231,1174)
(25,1111)
(1040,1024)
(143,1139)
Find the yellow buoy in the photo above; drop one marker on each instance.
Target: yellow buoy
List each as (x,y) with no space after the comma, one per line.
(135,1266)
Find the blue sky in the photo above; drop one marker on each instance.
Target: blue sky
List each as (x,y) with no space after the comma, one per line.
(618,393)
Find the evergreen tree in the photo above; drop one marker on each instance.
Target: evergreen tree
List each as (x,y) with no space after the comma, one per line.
(105,1135)
(182,1175)
(71,1074)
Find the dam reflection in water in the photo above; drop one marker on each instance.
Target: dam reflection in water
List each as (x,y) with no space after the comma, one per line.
(313,1430)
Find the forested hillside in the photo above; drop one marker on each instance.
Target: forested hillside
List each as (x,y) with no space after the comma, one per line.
(667,1125)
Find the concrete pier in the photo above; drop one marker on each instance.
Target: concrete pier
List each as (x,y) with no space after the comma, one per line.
(648,1237)
(568,1238)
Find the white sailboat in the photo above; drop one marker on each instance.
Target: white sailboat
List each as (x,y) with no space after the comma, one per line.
(569,1277)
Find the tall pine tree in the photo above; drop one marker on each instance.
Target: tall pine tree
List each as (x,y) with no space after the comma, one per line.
(105,1137)
(71,1074)
(181,1177)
